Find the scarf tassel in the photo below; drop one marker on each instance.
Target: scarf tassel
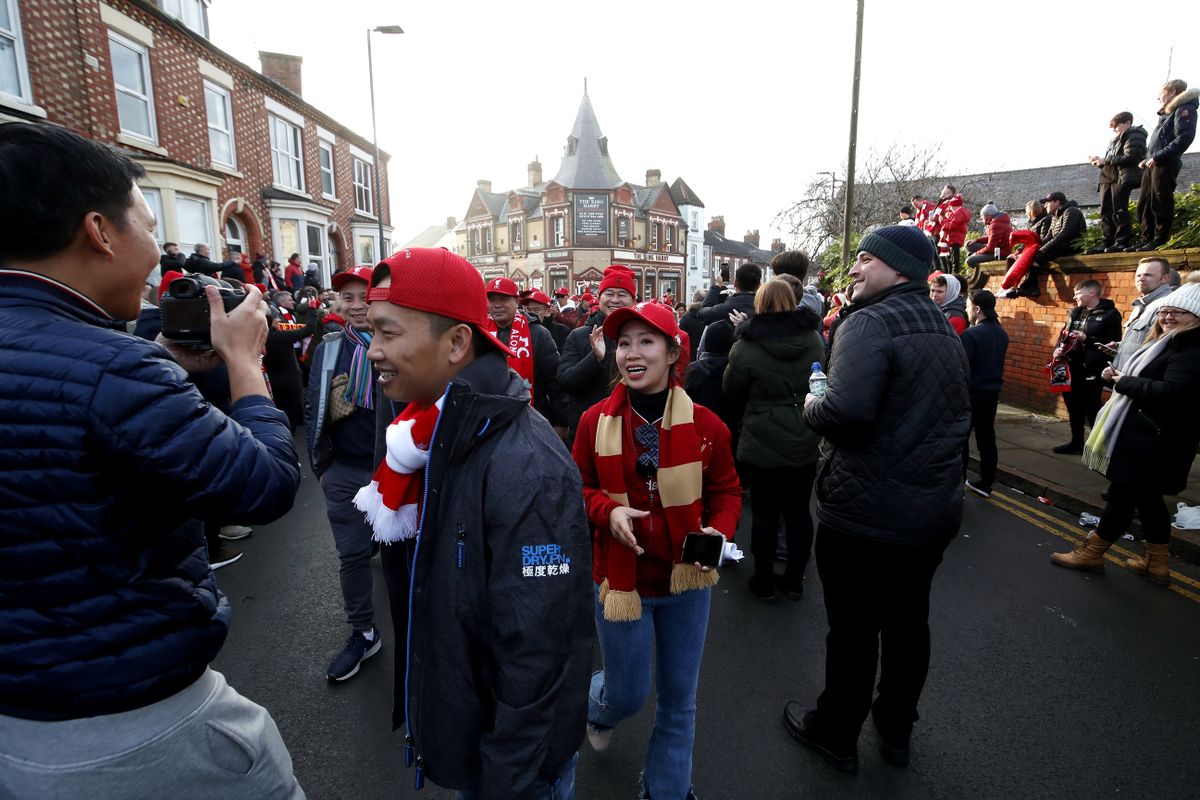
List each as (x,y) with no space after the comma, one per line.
(686,578)
(622,606)
(387,526)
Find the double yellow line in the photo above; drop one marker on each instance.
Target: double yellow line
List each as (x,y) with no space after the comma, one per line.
(1073,534)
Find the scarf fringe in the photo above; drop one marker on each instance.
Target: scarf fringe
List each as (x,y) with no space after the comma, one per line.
(603,590)
(686,578)
(622,606)
(387,526)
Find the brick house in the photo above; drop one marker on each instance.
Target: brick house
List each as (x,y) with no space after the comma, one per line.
(234,158)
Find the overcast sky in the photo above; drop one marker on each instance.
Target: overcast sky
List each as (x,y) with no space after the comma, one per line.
(746,102)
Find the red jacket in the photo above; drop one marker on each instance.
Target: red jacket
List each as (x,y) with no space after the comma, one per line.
(999,234)
(721,495)
(954,218)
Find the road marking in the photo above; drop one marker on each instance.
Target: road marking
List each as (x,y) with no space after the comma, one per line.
(1063,530)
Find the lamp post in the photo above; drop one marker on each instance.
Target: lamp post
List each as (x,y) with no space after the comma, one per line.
(374,134)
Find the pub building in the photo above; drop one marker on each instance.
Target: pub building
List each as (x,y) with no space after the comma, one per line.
(563,232)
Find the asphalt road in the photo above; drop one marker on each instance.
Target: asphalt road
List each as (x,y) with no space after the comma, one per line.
(1044,683)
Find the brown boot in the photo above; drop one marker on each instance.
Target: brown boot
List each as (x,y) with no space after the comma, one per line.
(1154,564)
(1087,555)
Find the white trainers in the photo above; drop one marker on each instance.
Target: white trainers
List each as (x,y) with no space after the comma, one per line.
(233,533)
(979,490)
(599,739)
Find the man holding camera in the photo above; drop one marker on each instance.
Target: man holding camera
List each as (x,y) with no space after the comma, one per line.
(109,612)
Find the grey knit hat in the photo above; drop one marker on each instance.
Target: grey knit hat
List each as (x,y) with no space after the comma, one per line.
(990,210)
(903,248)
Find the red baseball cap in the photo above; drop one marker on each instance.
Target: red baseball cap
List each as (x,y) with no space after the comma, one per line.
(355,274)
(561,292)
(656,315)
(502,286)
(587,297)
(435,281)
(537,296)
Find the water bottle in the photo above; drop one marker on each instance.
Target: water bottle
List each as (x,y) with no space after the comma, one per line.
(817,381)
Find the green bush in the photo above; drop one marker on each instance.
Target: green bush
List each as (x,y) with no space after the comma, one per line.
(1187,219)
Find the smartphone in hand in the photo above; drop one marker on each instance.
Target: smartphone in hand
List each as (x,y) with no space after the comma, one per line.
(703,549)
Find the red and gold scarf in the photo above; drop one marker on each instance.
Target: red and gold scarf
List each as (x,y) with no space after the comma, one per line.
(520,341)
(680,483)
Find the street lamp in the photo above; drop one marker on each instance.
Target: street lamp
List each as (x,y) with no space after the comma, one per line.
(374,133)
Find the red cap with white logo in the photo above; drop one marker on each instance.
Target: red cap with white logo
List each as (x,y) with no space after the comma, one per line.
(501,286)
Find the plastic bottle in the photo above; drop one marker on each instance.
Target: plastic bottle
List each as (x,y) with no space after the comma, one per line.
(817,381)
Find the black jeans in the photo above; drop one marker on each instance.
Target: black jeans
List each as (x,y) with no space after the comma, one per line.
(952,261)
(1083,402)
(1147,500)
(1114,214)
(876,598)
(983,422)
(776,492)
(1156,204)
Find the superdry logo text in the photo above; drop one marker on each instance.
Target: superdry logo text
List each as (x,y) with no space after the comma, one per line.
(544,560)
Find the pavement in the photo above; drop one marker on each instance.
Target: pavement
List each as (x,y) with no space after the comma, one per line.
(1044,683)
(1028,465)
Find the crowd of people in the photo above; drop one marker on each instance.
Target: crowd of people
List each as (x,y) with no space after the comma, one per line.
(640,426)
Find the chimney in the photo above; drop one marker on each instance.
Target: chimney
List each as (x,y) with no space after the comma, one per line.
(653,177)
(777,246)
(450,223)
(535,172)
(283,69)
(484,186)
(717,224)
(751,238)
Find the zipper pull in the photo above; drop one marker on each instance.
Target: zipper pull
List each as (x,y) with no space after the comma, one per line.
(408,752)
(462,545)
(419,782)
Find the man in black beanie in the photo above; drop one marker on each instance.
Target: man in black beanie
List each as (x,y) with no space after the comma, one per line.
(894,418)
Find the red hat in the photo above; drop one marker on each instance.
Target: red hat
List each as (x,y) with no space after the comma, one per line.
(561,292)
(618,276)
(502,286)
(166,281)
(435,281)
(355,274)
(655,315)
(537,296)
(524,294)
(587,297)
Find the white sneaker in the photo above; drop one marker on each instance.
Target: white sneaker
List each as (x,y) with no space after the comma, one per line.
(979,490)
(232,533)
(598,739)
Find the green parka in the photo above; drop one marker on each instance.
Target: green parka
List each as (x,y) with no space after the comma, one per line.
(769,367)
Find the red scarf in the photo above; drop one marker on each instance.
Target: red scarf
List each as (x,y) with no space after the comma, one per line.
(392,501)
(680,484)
(520,341)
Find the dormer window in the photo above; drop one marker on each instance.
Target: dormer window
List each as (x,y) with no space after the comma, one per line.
(572,145)
(603,145)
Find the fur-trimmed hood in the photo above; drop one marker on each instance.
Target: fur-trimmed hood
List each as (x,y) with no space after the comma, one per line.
(1190,96)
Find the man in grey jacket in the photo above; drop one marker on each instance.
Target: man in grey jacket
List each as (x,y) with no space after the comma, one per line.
(894,418)
(1153,280)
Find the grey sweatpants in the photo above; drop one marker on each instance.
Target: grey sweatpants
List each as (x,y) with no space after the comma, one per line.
(202,743)
(352,538)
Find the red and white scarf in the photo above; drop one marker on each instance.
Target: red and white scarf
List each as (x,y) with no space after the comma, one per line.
(520,341)
(392,501)
(680,481)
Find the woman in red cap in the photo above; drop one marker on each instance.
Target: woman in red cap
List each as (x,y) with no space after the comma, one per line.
(655,468)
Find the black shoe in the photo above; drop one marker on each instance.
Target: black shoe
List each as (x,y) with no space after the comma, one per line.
(223,555)
(1069,449)
(1140,247)
(763,589)
(803,730)
(1095,251)
(896,755)
(979,489)
(793,591)
(357,650)
(1117,248)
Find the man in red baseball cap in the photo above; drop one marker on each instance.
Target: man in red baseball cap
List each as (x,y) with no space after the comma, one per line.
(587,367)
(535,356)
(344,413)
(540,309)
(481,510)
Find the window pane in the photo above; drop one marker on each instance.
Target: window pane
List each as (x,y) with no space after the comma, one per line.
(135,115)
(217,112)
(5,19)
(9,79)
(193,221)
(154,200)
(127,68)
(366,250)
(315,235)
(289,237)
(221,146)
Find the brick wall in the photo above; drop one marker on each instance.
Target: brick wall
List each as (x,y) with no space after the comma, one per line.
(70,70)
(1033,325)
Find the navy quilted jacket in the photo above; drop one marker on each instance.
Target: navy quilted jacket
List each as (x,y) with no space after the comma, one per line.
(894,418)
(107,602)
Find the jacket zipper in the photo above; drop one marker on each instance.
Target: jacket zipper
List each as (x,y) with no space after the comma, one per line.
(462,545)
(409,728)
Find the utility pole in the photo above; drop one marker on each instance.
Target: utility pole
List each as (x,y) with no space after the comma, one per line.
(853,138)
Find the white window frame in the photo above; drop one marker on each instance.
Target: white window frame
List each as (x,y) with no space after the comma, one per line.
(184,240)
(363,189)
(225,95)
(26,92)
(177,9)
(297,136)
(154,200)
(144,51)
(241,240)
(560,231)
(324,146)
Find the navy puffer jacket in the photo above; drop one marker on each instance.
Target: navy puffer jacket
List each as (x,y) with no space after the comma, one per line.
(107,602)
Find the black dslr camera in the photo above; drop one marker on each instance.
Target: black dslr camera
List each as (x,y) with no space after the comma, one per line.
(184,306)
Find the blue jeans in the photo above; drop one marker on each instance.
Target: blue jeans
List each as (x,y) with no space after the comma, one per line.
(562,789)
(676,625)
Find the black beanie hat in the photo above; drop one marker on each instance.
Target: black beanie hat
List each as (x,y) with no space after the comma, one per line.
(903,248)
